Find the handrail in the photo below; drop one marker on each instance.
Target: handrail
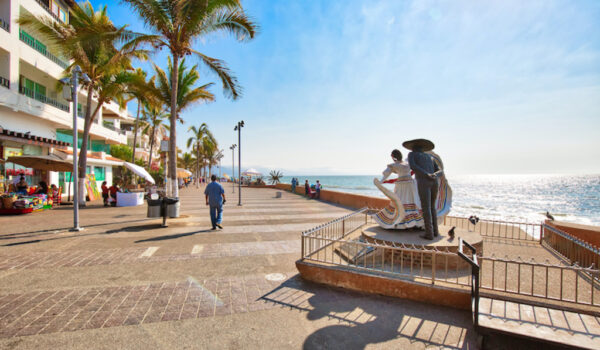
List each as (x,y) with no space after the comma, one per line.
(474,278)
(524,231)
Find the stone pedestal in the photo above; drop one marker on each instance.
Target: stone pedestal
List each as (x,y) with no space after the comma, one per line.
(418,248)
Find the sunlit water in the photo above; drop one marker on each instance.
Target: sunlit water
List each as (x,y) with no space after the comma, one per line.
(506,197)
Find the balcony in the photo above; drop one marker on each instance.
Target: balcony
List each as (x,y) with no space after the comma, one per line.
(42,98)
(5,82)
(41,48)
(5,25)
(44,5)
(110,126)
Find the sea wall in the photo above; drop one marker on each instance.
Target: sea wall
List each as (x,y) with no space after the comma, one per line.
(351,200)
(590,234)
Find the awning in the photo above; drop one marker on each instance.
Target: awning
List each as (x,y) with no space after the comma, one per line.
(139,171)
(50,162)
(226,176)
(251,172)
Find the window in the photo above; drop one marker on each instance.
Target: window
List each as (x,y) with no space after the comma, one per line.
(55,8)
(63,15)
(99,173)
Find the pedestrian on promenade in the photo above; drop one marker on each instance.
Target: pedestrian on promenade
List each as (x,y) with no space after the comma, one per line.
(318,189)
(306,188)
(294,185)
(215,198)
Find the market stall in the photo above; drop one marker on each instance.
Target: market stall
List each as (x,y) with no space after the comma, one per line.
(132,198)
(29,200)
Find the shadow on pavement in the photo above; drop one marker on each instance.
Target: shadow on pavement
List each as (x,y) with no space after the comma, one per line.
(167,237)
(368,319)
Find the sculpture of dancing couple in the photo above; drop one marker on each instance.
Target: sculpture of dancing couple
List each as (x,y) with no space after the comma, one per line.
(415,202)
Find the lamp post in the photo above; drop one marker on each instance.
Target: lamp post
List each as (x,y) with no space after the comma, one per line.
(238,128)
(70,87)
(232,148)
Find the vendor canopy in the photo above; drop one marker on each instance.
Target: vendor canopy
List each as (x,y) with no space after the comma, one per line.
(183,173)
(139,171)
(50,162)
(251,172)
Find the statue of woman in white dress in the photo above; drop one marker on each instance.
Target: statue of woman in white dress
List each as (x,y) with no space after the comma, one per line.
(404,210)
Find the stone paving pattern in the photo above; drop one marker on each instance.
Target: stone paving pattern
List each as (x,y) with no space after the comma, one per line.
(125,282)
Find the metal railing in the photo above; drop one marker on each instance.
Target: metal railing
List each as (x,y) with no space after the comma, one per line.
(45,6)
(571,248)
(571,284)
(43,98)
(5,25)
(413,262)
(41,48)
(113,128)
(473,261)
(5,82)
(498,228)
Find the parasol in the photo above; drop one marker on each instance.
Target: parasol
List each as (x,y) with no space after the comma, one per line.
(183,173)
(251,172)
(139,171)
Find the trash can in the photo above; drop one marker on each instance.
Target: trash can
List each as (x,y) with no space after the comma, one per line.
(172,207)
(154,208)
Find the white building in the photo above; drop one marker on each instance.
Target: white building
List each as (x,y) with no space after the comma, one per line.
(34,118)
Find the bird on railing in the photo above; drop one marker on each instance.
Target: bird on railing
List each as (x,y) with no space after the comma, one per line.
(451,233)
(473,219)
(549,216)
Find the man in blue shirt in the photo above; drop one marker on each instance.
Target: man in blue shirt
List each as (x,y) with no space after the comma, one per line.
(215,197)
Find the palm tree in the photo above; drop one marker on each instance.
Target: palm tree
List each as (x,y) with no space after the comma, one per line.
(201,136)
(186,161)
(178,24)
(155,120)
(141,90)
(103,52)
(275,177)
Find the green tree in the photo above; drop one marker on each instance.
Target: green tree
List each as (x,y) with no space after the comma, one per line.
(103,52)
(178,24)
(201,138)
(155,120)
(122,152)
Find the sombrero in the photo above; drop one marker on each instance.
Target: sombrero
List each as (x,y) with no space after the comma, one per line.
(424,144)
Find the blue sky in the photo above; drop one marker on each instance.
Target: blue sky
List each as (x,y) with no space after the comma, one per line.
(331,87)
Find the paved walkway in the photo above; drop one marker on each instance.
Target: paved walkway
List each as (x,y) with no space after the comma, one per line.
(125,282)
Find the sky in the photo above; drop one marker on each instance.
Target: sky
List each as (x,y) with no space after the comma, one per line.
(332,87)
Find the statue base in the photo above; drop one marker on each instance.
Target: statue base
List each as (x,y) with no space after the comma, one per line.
(410,237)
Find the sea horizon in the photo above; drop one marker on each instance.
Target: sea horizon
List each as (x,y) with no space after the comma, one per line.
(510,197)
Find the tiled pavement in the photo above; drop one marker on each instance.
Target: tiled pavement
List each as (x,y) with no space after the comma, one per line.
(124,280)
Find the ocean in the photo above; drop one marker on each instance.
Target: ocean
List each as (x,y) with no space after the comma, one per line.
(522,198)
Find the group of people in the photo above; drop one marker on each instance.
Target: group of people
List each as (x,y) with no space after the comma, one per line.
(109,192)
(308,189)
(22,187)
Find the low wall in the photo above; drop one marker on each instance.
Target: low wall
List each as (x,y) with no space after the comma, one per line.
(369,283)
(589,234)
(351,200)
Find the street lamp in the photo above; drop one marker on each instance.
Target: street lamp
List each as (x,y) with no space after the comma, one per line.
(232,148)
(72,84)
(238,128)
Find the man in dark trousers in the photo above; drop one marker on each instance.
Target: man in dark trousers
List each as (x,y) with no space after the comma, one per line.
(426,173)
(215,198)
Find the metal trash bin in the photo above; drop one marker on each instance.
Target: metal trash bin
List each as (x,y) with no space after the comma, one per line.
(154,208)
(172,207)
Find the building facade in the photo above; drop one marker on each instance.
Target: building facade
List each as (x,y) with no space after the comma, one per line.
(35,116)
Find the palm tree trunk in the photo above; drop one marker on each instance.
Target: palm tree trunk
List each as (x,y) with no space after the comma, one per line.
(173,130)
(87,125)
(197,164)
(135,130)
(151,146)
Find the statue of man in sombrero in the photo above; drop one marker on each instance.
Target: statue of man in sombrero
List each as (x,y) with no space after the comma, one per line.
(426,173)
(415,202)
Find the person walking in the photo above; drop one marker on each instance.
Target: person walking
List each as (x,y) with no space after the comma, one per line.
(306,188)
(318,189)
(293,185)
(215,198)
